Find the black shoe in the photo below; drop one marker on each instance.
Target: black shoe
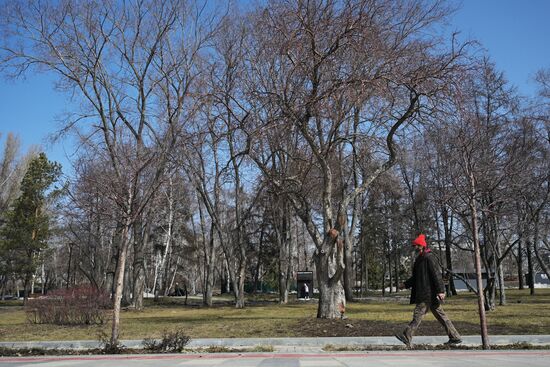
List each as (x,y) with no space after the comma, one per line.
(453,342)
(402,338)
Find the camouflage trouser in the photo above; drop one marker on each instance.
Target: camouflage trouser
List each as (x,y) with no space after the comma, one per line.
(420,310)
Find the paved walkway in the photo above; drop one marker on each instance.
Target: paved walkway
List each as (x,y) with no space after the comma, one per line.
(401,358)
(297,344)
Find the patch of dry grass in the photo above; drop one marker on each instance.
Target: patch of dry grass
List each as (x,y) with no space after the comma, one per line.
(524,314)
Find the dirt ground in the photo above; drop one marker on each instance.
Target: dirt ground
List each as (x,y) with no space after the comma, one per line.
(323,327)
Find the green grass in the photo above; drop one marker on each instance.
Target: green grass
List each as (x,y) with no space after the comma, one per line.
(524,314)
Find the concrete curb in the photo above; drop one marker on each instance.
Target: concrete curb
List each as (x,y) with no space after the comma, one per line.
(294,344)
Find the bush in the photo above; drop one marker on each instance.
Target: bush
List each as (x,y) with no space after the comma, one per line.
(171,342)
(106,347)
(84,305)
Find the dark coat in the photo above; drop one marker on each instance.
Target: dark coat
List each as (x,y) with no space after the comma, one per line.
(426,281)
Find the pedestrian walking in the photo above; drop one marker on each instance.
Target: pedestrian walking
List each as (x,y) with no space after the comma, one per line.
(427,293)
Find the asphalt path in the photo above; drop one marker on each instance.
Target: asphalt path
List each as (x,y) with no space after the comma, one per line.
(505,358)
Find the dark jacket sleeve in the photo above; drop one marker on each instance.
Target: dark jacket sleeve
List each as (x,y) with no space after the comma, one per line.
(409,282)
(435,277)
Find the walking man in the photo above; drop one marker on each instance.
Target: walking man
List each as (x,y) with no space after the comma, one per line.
(427,293)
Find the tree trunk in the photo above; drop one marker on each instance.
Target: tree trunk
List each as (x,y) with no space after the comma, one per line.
(283,241)
(501,289)
(396,267)
(530,267)
(447,228)
(259,262)
(210,268)
(139,286)
(119,282)
(26,289)
(500,277)
(69,265)
(228,278)
(332,300)
(520,256)
(519,261)
(520,264)
(384,277)
(240,302)
(239,291)
(477,257)
(42,278)
(161,271)
(349,241)
(390,273)
(127,283)
(166,285)
(141,238)
(209,255)
(348,262)
(364,260)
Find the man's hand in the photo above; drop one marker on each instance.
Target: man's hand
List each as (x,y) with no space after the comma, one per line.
(441,296)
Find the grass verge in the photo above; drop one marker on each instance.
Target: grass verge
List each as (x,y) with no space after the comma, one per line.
(264,317)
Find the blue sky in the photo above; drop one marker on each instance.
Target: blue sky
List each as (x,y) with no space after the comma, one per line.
(515,34)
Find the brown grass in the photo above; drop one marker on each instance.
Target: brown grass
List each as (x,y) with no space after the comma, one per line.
(524,314)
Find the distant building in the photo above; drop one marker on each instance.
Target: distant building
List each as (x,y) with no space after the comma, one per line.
(462,278)
(541,280)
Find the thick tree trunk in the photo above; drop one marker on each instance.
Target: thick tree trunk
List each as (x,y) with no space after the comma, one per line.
(332,300)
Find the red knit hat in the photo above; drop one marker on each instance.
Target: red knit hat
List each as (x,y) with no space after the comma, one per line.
(420,240)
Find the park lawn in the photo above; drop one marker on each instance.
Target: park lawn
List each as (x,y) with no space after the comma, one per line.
(524,314)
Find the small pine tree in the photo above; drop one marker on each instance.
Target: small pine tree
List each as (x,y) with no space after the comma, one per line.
(25,233)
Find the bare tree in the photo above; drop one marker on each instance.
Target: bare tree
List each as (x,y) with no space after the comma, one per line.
(479,142)
(132,66)
(12,169)
(311,64)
